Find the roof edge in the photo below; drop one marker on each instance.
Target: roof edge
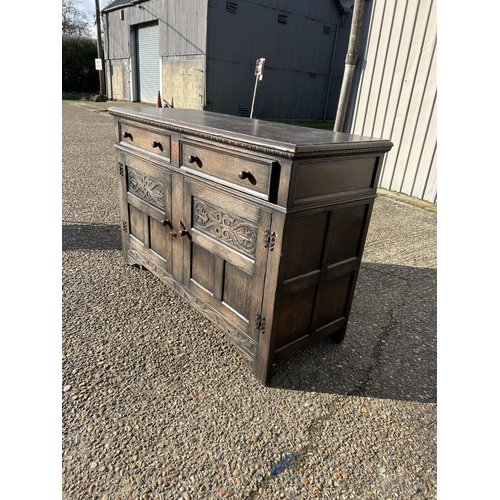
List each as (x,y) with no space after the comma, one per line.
(121,4)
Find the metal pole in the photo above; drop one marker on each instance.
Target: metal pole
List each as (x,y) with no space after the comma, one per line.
(102,84)
(331,67)
(350,64)
(254,92)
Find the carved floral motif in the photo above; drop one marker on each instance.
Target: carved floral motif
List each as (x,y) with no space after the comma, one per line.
(235,232)
(146,188)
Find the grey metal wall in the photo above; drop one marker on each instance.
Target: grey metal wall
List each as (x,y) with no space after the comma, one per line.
(297,39)
(182,37)
(395,93)
(181,23)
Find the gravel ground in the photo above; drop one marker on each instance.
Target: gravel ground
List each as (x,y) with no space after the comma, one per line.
(156,404)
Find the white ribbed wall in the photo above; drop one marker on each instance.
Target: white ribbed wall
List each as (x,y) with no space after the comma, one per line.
(397,92)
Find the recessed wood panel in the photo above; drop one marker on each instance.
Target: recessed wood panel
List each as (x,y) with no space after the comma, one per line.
(136,218)
(308,235)
(295,316)
(347,233)
(203,267)
(237,290)
(330,177)
(158,240)
(331,301)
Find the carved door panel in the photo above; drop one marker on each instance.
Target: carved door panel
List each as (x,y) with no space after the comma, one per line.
(146,207)
(225,253)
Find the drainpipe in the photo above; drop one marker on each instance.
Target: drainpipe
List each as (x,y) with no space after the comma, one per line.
(350,64)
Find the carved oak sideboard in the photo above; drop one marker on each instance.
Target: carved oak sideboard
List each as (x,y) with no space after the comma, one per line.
(258,225)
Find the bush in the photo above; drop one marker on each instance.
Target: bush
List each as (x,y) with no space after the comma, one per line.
(78,65)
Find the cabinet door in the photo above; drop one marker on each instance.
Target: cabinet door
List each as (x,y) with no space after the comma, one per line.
(145,193)
(225,253)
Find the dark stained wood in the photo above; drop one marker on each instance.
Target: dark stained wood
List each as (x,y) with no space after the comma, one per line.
(252,175)
(260,226)
(146,139)
(330,179)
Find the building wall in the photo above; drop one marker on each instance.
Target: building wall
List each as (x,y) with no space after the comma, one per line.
(395,92)
(183,82)
(118,79)
(299,79)
(304,54)
(182,38)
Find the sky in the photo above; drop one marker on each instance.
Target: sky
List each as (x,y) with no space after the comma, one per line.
(88,7)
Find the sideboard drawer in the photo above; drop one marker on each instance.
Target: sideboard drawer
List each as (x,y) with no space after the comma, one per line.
(149,140)
(245,173)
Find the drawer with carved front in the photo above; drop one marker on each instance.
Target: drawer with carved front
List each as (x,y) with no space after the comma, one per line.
(149,140)
(252,174)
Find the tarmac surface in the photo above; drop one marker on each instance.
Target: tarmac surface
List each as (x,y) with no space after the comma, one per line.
(156,404)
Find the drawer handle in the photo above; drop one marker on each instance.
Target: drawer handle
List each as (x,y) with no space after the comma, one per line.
(128,135)
(166,222)
(193,159)
(157,144)
(245,174)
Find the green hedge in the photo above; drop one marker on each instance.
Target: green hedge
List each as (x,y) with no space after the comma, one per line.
(78,65)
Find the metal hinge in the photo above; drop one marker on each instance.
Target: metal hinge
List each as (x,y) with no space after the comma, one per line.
(269,239)
(125,226)
(120,166)
(260,323)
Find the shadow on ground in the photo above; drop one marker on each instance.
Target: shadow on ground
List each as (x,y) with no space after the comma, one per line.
(390,348)
(91,237)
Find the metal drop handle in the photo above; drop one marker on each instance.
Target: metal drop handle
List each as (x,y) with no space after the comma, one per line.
(183,231)
(127,135)
(156,144)
(193,159)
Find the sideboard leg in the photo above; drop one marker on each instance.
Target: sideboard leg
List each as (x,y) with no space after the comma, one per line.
(338,336)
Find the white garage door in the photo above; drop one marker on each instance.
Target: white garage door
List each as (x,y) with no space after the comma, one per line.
(148,63)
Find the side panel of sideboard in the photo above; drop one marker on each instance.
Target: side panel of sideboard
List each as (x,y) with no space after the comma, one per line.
(320,254)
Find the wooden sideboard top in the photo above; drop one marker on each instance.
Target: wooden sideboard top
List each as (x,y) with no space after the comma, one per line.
(266,136)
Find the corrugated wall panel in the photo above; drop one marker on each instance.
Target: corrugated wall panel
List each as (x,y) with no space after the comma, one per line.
(298,57)
(181,24)
(395,95)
